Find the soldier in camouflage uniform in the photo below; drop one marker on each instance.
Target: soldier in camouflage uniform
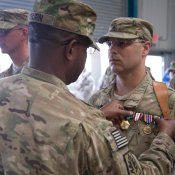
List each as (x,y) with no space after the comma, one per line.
(84,86)
(44,129)
(129,41)
(171,72)
(14,39)
(172,82)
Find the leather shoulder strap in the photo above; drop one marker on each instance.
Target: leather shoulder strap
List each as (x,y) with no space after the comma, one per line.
(161,92)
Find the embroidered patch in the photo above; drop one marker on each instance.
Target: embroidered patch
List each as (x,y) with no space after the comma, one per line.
(40,18)
(121,141)
(132,165)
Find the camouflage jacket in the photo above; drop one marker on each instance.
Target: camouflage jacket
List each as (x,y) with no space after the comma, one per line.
(109,77)
(10,72)
(142,99)
(45,130)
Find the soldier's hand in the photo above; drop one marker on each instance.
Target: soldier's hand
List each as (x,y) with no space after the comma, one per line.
(167,126)
(115,112)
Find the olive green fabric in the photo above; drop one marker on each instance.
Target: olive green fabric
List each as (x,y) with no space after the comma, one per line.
(141,99)
(12,70)
(129,28)
(45,130)
(10,18)
(68,15)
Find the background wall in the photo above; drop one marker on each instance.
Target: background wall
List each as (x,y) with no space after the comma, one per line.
(161,13)
(26,4)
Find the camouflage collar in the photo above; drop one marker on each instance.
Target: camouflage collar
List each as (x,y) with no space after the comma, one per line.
(43,76)
(132,99)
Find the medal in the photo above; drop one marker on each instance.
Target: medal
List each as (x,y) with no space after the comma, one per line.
(125,125)
(147,129)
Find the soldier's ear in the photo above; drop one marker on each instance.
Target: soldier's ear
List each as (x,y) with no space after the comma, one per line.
(146,48)
(71,49)
(24,32)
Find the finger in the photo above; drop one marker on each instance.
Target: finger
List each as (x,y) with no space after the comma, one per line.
(125,112)
(121,107)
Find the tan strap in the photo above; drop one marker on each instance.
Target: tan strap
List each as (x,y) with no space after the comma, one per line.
(161,92)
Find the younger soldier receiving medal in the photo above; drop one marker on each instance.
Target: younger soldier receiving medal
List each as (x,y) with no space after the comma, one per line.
(129,41)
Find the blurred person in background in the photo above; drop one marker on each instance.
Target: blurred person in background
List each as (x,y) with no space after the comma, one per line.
(84,87)
(107,78)
(14,39)
(171,72)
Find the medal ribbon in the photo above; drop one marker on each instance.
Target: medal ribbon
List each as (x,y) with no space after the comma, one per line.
(147,118)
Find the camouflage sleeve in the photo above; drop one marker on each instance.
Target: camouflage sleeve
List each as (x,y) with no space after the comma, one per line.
(103,155)
(92,100)
(100,98)
(159,159)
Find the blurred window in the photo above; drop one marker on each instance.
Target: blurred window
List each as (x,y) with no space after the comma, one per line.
(5,61)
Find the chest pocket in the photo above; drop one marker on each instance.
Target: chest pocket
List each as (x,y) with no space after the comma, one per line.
(140,136)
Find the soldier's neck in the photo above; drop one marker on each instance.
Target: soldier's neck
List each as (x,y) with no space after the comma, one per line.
(126,83)
(19,58)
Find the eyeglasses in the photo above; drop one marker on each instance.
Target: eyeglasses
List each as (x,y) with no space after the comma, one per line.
(4,32)
(87,44)
(123,42)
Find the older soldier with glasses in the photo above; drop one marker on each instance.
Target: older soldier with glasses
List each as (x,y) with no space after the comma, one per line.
(14,39)
(44,129)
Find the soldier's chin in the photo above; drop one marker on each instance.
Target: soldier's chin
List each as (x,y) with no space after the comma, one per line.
(114,69)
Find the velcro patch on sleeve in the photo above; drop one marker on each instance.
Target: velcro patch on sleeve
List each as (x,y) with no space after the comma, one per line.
(132,164)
